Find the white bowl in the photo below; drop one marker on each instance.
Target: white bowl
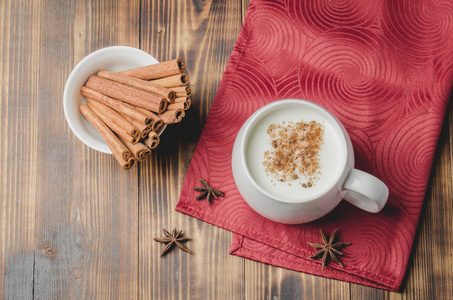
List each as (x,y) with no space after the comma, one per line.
(115,59)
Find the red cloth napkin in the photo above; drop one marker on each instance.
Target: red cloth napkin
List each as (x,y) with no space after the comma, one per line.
(385,69)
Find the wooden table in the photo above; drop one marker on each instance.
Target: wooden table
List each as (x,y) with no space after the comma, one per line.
(73,224)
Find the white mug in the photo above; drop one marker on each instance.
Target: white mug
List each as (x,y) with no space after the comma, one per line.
(357,187)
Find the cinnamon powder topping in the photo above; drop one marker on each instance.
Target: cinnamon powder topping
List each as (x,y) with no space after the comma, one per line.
(295,150)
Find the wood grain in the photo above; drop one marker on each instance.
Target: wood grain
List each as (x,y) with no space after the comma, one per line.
(74,225)
(86,225)
(19,84)
(203,33)
(267,282)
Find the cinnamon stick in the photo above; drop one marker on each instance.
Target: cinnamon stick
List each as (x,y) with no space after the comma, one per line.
(181,91)
(181,95)
(143,128)
(116,117)
(153,140)
(140,150)
(123,154)
(184,105)
(159,70)
(120,106)
(127,94)
(172,116)
(181,99)
(120,131)
(172,81)
(157,125)
(186,100)
(126,165)
(140,84)
(157,122)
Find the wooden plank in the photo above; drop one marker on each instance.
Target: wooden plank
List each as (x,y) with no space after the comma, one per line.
(431,270)
(245,5)
(364,292)
(203,33)
(19,66)
(268,282)
(87,207)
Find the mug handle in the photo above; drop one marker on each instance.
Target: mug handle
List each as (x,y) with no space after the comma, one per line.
(365,191)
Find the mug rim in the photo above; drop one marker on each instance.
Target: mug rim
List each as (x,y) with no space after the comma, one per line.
(259,114)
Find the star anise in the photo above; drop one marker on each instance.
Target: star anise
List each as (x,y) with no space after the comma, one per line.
(328,249)
(207,191)
(174,238)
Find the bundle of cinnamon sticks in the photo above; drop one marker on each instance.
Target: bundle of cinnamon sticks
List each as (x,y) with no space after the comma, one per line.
(129,107)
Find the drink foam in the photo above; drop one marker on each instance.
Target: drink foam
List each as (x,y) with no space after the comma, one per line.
(331,155)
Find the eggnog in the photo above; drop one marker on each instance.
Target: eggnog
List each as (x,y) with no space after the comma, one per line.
(295,153)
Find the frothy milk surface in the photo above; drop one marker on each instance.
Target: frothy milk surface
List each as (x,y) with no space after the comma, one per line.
(331,156)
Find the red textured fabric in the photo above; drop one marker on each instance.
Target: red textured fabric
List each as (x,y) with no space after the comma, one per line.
(385,69)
